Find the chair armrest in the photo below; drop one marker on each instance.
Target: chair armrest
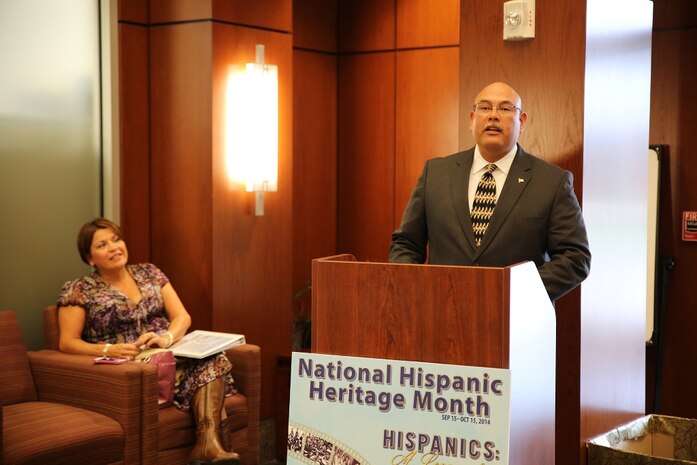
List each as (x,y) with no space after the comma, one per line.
(2,461)
(246,369)
(150,416)
(112,390)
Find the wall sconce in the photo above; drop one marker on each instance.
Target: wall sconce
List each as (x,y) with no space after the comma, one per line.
(251,132)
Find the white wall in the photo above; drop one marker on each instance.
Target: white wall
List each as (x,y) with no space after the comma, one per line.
(50,149)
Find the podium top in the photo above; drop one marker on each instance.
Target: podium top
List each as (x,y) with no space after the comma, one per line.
(432,313)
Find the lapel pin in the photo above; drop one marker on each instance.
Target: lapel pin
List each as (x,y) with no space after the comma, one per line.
(521,180)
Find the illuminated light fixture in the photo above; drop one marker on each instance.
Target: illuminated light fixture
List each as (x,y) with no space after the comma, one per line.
(251,148)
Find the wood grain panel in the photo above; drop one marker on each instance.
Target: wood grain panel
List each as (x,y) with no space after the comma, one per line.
(134,123)
(666,89)
(269,14)
(425,23)
(366,154)
(427,114)
(315,24)
(252,256)
(181,163)
(673,98)
(134,11)
(547,72)
(477,67)
(377,299)
(314,161)
(681,14)
(167,11)
(367,25)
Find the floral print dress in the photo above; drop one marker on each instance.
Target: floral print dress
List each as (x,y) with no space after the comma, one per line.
(110,316)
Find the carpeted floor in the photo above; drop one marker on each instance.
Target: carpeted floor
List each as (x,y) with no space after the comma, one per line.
(267,446)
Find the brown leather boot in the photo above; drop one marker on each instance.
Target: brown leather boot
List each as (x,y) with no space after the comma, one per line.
(206,406)
(225,434)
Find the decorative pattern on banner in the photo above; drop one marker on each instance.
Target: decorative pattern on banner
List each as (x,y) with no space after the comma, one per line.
(316,448)
(364,411)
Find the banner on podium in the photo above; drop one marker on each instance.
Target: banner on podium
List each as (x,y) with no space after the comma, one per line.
(367,411)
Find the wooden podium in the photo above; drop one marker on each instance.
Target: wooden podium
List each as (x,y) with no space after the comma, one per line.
(487,317)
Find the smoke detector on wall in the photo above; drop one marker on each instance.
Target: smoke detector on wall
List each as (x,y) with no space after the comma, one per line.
(519,20)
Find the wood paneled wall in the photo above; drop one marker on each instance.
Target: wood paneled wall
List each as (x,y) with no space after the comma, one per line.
(315,166)
(426,114)
(134,123)
(179,210)
(366,153)
(182,165)
(314,140)
(398,94)
(673,121)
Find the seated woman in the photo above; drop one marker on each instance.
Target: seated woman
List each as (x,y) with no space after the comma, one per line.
(120,308)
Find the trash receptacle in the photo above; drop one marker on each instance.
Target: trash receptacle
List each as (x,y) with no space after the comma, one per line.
(649,440)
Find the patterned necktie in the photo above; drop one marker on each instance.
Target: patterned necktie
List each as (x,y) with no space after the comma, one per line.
(484,203)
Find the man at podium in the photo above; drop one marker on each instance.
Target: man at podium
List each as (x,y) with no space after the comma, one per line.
(496,205)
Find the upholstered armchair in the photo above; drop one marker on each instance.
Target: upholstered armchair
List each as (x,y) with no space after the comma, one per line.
(168,434)
(54,407)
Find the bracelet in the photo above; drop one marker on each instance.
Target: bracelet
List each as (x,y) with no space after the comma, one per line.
(171,338)
(106,350)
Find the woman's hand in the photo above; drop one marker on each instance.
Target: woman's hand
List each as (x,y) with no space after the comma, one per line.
(151,339)
(127,351)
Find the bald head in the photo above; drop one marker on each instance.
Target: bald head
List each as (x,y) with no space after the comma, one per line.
(502,90)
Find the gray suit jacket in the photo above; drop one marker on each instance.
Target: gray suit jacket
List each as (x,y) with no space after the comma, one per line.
(537,218)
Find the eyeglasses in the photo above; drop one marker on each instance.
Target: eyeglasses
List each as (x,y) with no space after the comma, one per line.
(505,109)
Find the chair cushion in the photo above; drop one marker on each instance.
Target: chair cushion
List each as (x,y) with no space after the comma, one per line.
(44,432)
(174,428)
(16,383)
(237,409)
